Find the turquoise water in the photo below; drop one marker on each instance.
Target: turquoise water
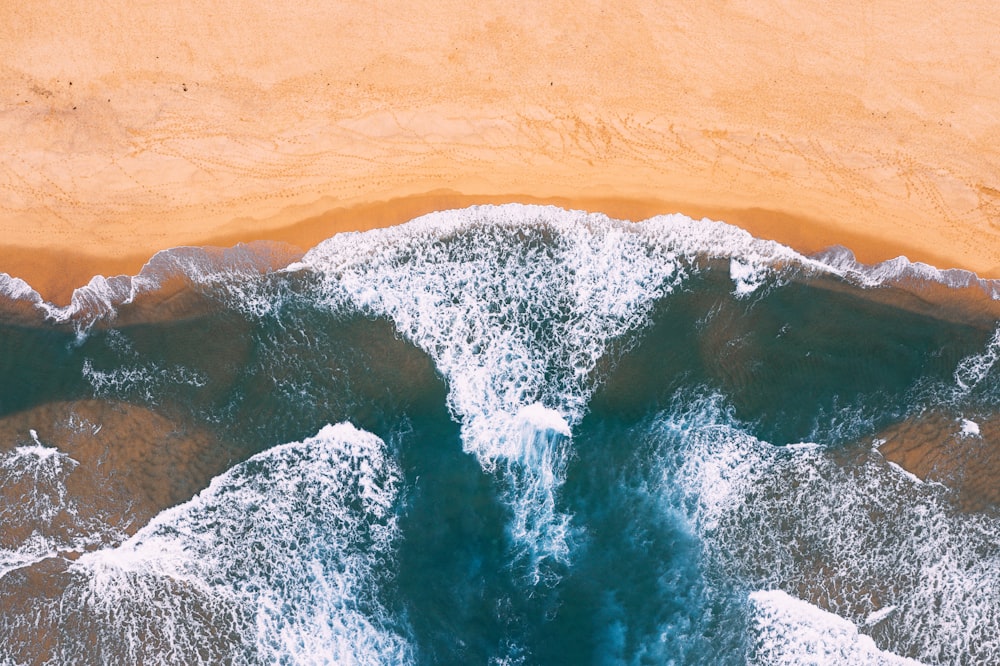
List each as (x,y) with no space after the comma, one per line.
(503,435)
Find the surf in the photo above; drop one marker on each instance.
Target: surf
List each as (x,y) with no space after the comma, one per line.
(571,438)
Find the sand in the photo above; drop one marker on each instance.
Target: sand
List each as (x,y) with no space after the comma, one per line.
(939,447)
(127,464)
(133,128)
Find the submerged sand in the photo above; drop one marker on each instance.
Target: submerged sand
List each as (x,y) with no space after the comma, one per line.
(133,128)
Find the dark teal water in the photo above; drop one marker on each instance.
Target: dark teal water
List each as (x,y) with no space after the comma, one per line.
(506,435)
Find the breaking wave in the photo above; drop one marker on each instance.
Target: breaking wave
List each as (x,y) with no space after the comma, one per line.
(279,560)
(518,305)
(632,399)
(844,531)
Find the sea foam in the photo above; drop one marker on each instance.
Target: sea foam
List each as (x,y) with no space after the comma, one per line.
(852,539)
(229,275)
(279,560)
(518,305)
(523,309)
(789,631)
(17,289)
(39,517)
(972,370)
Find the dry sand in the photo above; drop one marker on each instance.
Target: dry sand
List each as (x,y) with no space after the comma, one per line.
(130,128)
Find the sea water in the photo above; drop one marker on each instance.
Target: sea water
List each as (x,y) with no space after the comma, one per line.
(503,435)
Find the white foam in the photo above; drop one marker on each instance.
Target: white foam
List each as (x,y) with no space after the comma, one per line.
(518,304)
(542,419)
(973,369)
(34,502)
(902,272)
(853,538)
(133,378)
(534,459)
(747,277)
(278,561)
(30,551)
(42,470)
(877,616)
(790,631)
(231,275)
(802,446)
(17,289)
(970,428)
(909,475)
(145,381)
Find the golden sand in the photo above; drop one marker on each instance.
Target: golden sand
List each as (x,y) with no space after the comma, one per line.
(132,128)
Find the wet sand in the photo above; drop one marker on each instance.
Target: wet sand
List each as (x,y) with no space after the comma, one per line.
(130,130)
(127,463)
(935,448)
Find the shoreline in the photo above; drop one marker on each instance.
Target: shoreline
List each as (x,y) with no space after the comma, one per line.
(55,273)
(131,130)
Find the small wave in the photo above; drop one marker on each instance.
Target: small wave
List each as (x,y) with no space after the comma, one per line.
(972,370)
(901,271)
(852,539)
(145,382)
(17,289)
(787,629)
(748,277)
(33,483)
(535,453)
(100,299)
(19,303)
(228,275)
(949,294)
(229,272)
(39,516)
(277,561)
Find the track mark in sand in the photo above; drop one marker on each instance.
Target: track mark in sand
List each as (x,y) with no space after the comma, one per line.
(989,191)
(988,203)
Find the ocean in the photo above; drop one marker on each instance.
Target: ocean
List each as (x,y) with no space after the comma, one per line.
(503,435)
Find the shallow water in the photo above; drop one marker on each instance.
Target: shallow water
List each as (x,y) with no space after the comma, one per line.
(503,435)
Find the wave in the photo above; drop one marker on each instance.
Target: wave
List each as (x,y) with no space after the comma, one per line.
(80,475)
(952,294)
(785,629)
(17,289)
(231,273)
(279,560)
(147,382)
(518,305)
(845,531)
(901,271)
(38,517)
(171,285)
(525,311)
(972,370)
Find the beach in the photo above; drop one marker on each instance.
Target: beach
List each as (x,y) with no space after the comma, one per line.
(648,347)
(129,131)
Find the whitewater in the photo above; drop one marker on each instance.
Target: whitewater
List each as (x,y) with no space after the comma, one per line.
(506,435)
